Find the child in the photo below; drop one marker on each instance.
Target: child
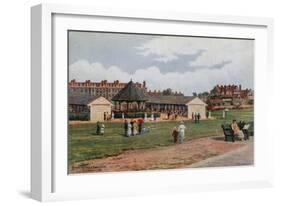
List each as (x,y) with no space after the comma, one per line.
(175,134)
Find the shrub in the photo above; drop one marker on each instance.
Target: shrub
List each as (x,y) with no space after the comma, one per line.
(83,116)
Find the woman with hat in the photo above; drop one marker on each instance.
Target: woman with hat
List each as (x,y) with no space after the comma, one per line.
(181,130)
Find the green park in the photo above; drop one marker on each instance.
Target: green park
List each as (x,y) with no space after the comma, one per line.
(85,144)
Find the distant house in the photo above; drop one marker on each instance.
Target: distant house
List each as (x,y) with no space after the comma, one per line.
(91,106)
(229,97)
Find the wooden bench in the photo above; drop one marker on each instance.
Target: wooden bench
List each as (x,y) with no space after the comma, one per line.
(229,134)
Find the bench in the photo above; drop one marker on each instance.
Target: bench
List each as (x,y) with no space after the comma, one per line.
(229,134)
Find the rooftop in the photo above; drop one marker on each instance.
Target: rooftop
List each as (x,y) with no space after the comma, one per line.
(130,93)
(81,100)
(178,100)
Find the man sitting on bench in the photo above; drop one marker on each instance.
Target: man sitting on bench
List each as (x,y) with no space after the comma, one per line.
(236,130)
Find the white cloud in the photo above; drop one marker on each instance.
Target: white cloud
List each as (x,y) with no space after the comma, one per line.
(196,81)
(167,48)
(216,50)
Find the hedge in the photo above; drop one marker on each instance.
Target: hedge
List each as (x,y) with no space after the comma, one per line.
(83,116)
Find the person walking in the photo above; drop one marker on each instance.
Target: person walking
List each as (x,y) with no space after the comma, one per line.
(198,117)
(140,124)
(132,127)
(135,128)
(181,130)
(125,127)
(129,131)
(102,128)
(195,118)
(98,128)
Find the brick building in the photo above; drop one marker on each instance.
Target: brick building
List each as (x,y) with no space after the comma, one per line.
(230,96)
(109,89)
(104,88)
(231,91)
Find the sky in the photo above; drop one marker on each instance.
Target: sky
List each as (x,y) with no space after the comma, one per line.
(182,63)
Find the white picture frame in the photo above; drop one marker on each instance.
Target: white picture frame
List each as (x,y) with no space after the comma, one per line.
(49,178)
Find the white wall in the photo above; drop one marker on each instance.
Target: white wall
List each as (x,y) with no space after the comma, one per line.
(15,82)
(195,106)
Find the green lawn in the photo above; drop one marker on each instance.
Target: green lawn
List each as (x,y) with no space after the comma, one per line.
(84,144)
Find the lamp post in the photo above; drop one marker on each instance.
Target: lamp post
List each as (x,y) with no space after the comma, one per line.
(225,111)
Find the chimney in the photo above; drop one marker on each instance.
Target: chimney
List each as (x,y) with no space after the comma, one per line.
(144,84)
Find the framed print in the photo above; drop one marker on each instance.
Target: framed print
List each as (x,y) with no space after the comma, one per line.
(127,103)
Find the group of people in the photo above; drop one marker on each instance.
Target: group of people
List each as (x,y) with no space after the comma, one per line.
(178,133)
(134,127)
(100,128)
(174,115)
(196,117)
(108,116)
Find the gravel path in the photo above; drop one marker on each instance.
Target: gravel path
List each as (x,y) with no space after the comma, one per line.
(238,157)
(203,152)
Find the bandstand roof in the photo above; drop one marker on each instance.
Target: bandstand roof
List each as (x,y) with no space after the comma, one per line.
(130,93)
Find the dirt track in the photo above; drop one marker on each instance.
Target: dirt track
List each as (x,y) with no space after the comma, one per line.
(175,156)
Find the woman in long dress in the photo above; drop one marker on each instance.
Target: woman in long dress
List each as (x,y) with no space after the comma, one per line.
(102,128)
(129,130)
(236,130)
(181,130)
(135,126)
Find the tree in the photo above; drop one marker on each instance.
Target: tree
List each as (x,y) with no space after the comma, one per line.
(194,94)
(203,94)
(168,91)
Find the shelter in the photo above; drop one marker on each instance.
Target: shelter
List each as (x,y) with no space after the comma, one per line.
(183,105)
(130,98)
(92,106)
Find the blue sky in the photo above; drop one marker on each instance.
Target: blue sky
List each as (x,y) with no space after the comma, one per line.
(187,64)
